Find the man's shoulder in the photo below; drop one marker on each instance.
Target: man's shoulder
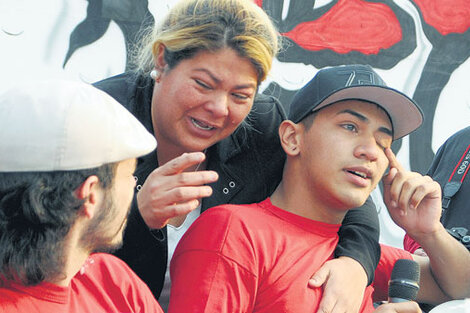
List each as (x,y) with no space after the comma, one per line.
(226,216)
(107,267)
(230,213)
(104,259)
(461,135)
(449,155)
(456,144)
(117,281)
(11,301)
(229,219)
(221,224)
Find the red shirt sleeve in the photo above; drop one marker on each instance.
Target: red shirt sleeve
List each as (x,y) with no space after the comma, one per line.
(202,273)
(383,272)
(409,244)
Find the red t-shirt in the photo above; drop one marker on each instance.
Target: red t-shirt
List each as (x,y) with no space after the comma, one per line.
(409,244)
(104,284)
(256,258)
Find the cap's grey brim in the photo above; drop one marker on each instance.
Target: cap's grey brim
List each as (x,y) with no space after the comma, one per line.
(405,115)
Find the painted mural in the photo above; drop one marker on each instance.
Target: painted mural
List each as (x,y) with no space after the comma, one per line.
(420,47)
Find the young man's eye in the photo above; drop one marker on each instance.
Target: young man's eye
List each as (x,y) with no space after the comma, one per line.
(384,145)
(349,127)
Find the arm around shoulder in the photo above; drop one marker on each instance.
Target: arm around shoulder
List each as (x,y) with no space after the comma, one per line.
(359,237)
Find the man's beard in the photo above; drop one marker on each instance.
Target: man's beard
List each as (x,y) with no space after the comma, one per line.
(97,237)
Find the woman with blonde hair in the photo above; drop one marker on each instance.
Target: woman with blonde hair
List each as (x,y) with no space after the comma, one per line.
(195,88)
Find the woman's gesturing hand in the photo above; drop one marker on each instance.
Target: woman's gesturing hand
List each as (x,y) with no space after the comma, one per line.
(344,281)
(169,191)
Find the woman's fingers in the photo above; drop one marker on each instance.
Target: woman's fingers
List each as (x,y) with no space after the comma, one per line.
(179,164)
(184,194)
(169,191)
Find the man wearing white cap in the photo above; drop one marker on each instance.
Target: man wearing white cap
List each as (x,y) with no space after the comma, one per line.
(67,157)
(256,258)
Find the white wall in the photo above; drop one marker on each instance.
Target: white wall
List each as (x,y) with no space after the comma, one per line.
(34,38)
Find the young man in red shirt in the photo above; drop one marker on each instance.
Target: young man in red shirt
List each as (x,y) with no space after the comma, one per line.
(257,257)
(67,157)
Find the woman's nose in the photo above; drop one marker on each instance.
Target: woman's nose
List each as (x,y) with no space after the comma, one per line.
(218,105)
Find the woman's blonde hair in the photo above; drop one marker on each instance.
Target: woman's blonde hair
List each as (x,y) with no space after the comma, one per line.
(193,26)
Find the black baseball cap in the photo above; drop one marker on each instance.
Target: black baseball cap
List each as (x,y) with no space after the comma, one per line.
(356,82)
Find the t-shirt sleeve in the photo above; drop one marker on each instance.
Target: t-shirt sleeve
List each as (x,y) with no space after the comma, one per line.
(409,244)
(359,237)
(383,272)
(206,275)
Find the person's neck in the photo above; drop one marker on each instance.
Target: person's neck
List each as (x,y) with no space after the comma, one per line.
(74,258)
(294,195)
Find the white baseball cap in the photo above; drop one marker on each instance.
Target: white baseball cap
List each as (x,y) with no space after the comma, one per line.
(57,125)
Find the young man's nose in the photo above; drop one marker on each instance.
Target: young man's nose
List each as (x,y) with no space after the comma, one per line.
(367,148)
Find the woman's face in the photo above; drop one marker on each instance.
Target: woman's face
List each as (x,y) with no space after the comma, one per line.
(202,100)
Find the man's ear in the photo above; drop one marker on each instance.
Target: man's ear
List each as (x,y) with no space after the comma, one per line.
(289,134)
(88,191)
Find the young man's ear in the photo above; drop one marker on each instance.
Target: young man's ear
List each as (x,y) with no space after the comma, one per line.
(89,192)
(289,134)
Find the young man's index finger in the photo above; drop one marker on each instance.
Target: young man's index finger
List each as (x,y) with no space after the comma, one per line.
(393,162)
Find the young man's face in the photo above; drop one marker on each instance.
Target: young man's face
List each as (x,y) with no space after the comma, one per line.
(343,152)
(123,193)
(105,232)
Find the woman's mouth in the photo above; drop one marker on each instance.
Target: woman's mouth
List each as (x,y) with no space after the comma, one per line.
(201,125)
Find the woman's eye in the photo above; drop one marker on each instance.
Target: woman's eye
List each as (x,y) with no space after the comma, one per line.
(204,85)
(240,96)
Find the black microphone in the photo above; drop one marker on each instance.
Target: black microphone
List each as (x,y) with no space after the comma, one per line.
(403,285)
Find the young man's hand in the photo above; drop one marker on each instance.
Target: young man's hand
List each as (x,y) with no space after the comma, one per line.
(413,200)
